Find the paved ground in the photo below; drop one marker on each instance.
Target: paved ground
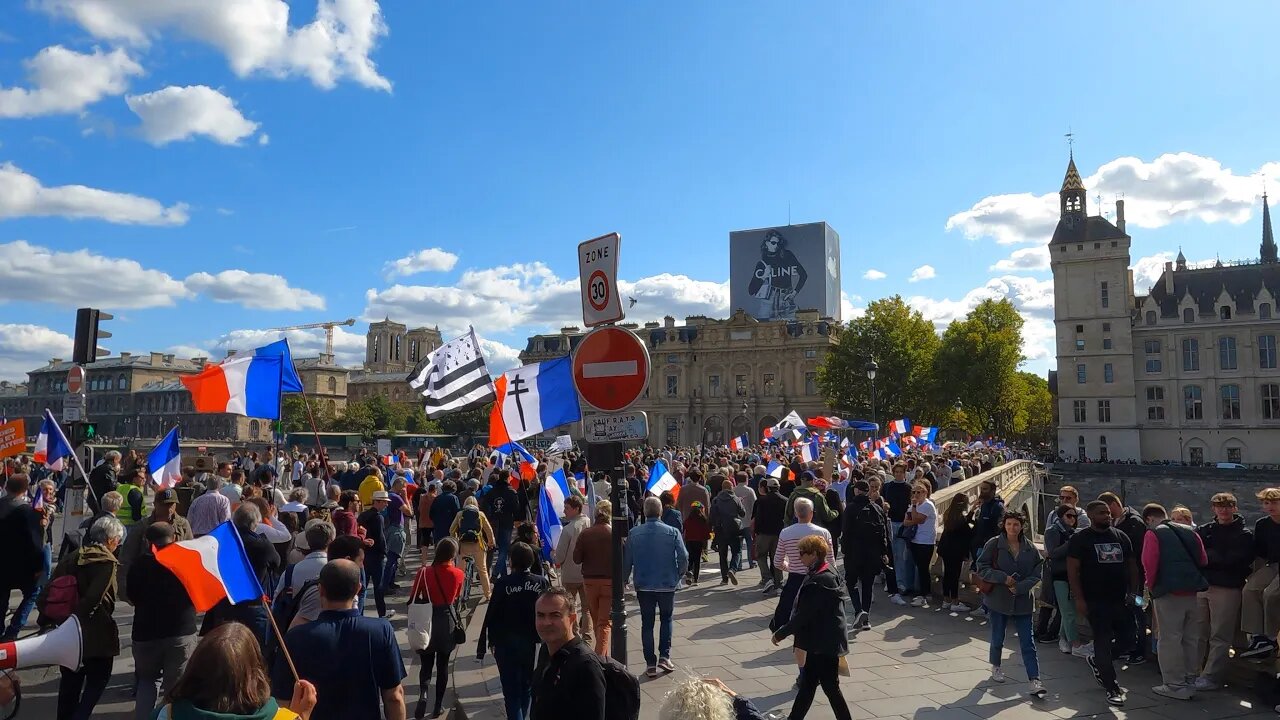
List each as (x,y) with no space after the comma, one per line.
(914,663)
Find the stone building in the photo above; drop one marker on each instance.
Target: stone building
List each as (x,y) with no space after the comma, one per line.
(324,381)
(1186,372)
(391,347)
(711,380)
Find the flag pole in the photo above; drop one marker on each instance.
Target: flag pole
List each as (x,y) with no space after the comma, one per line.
(280,639)
(324,457)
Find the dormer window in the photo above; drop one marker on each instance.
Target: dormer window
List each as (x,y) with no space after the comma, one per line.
(1188,315)
(1151,317)
(1225,312)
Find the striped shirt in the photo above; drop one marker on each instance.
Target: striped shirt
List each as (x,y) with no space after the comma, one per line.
(208,512)
(788,553)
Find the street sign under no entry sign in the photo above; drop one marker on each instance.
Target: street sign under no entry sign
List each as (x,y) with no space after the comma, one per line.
(610,368)
(598,276)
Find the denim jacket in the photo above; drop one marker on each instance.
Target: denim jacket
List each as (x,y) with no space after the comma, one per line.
(658,556)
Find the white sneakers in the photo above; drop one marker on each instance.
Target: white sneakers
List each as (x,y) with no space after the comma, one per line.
(1177,692)
(897,600)
(997,675)
(1064,645)
(1083,651)
(960,608)
(919,601)
(1205,684)
(1037,690)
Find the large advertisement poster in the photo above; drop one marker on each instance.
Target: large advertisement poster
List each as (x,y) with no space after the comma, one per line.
(773,272)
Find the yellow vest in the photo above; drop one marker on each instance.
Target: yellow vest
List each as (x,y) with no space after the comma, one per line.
(125,513)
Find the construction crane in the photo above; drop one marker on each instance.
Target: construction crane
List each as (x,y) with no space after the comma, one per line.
(328,330)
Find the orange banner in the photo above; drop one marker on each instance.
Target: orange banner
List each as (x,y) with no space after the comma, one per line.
(13,439)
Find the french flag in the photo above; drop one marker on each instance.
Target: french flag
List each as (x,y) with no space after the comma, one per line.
(51,444)
(248,386)
(767,435)
(812,450)
(927,434)
(165,461)
(901,427)
(889,450)
(661,480)
(739,443)
(550,508)
(212,568)
(528,464)
(775,469)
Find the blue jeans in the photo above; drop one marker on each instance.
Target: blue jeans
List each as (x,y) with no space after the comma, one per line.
(395,548)
(500,559)
(749,537)
(904,567)
(664,603)
(515,659)
(1026,641)
(30,593)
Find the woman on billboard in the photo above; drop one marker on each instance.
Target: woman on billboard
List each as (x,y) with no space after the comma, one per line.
(777,278)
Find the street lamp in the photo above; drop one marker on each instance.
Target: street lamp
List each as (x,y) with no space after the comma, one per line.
(870,368)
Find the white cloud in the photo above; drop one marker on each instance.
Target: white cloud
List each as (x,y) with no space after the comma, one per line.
(499,357)
(187,351)
(1033,298)
(66,81)
(430,259)
(254,35)
(873,274)
(924,272)
(264,139)
(1147,270)
(30,272)
(22,195)
(1032,258)
(258,291)
(23,347)
(848,311)
(348,347)
(181,113)
(1172,187)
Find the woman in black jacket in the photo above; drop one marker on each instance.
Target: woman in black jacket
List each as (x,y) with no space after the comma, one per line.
(817,622)
(953,548)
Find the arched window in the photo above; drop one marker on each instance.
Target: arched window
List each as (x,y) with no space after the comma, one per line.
(1151,317)
(333,384)
(122,382)
(1080,450)
(1188,315)
(1102,448)
(254,429)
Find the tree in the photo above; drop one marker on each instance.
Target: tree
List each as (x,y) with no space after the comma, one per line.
(416,421)
(903,345)
(356,418)
(1039,409)
(979,360)
(469,422)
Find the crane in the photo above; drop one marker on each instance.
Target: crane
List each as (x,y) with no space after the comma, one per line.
(328,330)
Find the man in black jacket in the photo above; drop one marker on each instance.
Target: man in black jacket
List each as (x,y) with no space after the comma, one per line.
(568,681)
(1228,543)
(102,479)
(766,523)
(375,529)
(509,629)
(499,504)
(1130,522)
(865,542)
(164,621)
(22,537)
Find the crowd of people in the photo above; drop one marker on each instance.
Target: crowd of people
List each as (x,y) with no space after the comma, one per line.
(325,537)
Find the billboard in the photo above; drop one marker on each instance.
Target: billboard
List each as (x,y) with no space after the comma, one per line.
(773,272)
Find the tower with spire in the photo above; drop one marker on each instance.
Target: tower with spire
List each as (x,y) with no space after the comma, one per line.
(1093,299)
(1268,249)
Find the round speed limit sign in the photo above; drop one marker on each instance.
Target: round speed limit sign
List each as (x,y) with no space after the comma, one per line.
(598,290)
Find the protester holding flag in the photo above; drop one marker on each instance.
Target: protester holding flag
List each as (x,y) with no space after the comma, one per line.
(263,561)
(659,559)
(165,511)
(94,569)
(594,552)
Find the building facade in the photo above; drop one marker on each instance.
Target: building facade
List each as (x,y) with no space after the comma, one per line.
(391,347)
(711,380)
(1187,372)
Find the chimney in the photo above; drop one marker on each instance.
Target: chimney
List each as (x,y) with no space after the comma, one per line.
(199,361)
(157,359)
(55,361)
(1168,278)
(1120,215)
(168,359)
(124,358)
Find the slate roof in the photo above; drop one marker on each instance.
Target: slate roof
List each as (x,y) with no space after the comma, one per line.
(1242,283)
(1094,229)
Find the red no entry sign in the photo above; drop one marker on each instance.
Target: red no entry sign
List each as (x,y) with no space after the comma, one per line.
(75,379)
(610,368)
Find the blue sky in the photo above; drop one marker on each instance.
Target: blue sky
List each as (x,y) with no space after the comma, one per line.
(240,174)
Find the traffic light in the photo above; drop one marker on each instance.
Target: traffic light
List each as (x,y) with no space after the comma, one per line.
(82,433)
(88,333)
(90,432)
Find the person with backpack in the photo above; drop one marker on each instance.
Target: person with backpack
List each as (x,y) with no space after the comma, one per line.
(569,680)
(726,520)
(84,585)
(866,549)
(291,592)
(500,503)
(443,511)
(164,620)
(474,535)
(509,630)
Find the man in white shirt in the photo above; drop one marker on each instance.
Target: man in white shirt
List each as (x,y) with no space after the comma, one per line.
(297,470)
(787,557)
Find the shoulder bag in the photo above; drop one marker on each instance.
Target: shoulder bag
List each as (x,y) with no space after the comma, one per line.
(908,532)
(420,612)
(459,632)
(985,586)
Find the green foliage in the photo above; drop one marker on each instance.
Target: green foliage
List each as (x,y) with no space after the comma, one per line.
(471,422)
(903,344)
(978,364)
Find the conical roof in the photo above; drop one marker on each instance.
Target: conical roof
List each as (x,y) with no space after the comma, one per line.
(1072,180)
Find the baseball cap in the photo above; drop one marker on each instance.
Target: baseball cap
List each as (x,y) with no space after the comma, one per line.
(167,497)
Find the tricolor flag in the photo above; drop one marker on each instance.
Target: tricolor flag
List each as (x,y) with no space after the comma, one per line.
(528,463)
(812,450)
(555,489)
(661,480)
(844,442)
(867,445)
(37,502)
(901,427)
(927,434)
(767,435)
(739,443)
(51,444)
(212,568)
(889,449)
(775,469)
(532,399)
(248,385)
(165,461)
(289,380)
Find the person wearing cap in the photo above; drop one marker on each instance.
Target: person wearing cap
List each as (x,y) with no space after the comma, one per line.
(165,511)
(766,523)
(375,555)
(164,620)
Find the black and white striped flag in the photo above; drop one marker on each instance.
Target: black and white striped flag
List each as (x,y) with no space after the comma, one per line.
(453,377)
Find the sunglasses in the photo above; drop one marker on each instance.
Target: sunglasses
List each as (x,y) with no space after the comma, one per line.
(1071,515)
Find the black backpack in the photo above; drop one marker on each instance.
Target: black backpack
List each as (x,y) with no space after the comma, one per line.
(621,690)
(285,608)
(469,526)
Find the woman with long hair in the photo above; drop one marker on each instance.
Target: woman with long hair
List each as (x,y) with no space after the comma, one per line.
(441,581)
(227,679)
(1012,565)
(953,548)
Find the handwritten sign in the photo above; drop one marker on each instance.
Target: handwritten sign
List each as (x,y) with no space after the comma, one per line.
(13,439)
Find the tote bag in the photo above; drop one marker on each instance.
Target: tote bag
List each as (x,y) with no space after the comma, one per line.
(419,628)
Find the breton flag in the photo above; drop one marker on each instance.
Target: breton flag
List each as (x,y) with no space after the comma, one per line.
(532,399)
(901,427)
(453,377)
(812,450)
(289,380)
(661,480)
(739,443)
(792,420)
(549,515)
(165,461)
(51,444)
(248,385)
(212,568)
